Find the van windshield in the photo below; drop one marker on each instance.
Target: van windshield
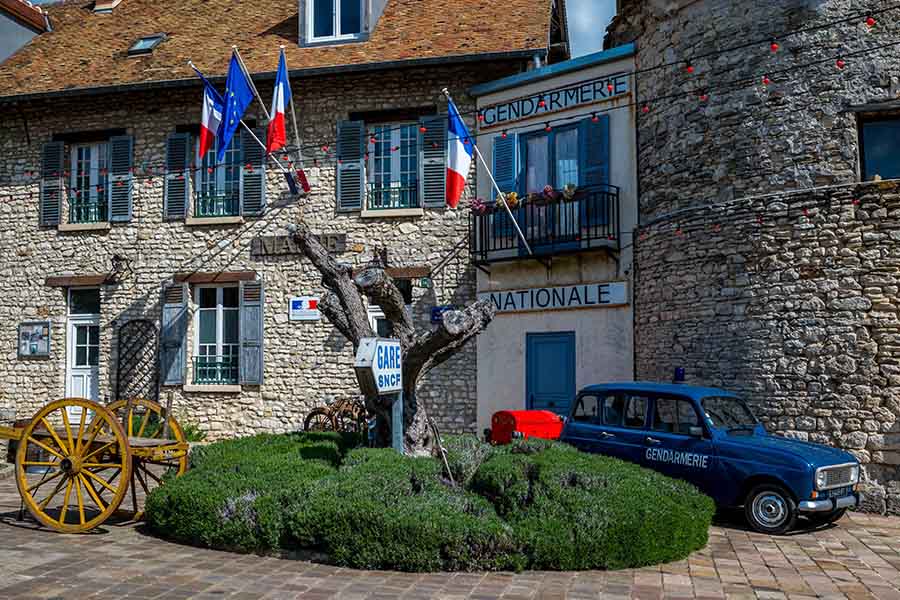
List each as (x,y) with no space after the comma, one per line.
(729,413)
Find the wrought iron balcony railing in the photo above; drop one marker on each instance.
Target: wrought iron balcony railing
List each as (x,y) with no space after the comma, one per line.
(382,197)
(216,205)
(551,223)
(215,370)
(87,210)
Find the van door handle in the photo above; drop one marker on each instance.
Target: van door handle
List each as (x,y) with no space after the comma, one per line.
(605,435)
(651,440)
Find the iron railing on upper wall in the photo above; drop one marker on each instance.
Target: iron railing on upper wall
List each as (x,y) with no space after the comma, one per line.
(215,370)
(386,197)
(216,205)
(83,210)
(552,223)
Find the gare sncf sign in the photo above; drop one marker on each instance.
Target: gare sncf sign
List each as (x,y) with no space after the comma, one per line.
(593,91)
(585,295)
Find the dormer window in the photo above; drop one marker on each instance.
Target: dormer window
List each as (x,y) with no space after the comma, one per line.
(334,20)
(145,45)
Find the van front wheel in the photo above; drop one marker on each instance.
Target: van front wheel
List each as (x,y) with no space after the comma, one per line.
(770,509)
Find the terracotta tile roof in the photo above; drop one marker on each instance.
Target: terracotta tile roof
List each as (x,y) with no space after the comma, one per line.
(88,50)
(24,12)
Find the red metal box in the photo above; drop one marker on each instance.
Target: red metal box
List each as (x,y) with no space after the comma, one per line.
(507,425)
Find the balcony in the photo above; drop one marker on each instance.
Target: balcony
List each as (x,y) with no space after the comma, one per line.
(551,223)
(393,197)
(215,370)
(87,210)
(209,206)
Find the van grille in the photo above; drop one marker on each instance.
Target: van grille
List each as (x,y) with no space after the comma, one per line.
(837,476)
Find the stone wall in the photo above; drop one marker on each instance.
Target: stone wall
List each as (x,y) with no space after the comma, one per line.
(790,300)
(749,138)
(305,363)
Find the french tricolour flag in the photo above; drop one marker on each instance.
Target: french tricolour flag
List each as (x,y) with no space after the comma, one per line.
(211,117)
(460,148)
(276,137)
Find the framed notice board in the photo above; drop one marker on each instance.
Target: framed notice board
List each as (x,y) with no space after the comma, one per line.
(34,339)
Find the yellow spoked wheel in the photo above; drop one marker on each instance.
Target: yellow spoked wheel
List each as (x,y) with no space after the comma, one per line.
(145,422)
(73,465)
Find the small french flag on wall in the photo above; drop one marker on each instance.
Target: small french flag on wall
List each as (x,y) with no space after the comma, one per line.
(460,149)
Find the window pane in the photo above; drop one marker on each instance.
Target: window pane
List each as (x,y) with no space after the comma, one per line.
(665,416)
(94,356)
(613,407)
(351,17)
(207,297)
(207,326)
(323,18)
(84,302)
(537,165)
(687,417)
(406,288)
(81,335)
(230,297)
(635,414)
(586,411)
(566,158)
(81,356)
(383,328)
(881,147)
(94,338)
(230,327)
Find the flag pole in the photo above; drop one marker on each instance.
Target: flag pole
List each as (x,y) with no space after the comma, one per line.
(500,192)
(294,120)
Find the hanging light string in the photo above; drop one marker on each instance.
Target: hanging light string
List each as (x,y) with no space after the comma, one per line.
(702,92)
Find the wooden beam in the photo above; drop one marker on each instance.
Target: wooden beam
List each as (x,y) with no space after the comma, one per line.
(76,280)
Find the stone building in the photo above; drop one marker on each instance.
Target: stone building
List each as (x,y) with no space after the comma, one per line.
(114,231)
(766,259)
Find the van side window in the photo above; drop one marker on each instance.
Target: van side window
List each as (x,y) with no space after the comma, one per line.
(674,416)
(636,411)
(587,410)
(613,408)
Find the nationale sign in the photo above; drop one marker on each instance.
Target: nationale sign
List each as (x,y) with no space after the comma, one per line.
(578,94)
(586,295)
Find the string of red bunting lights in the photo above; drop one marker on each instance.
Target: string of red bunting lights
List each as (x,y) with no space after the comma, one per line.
(840,61)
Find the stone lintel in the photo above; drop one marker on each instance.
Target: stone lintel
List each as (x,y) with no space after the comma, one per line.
(219,277)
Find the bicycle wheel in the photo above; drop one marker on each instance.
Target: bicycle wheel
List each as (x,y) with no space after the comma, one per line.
(319,419)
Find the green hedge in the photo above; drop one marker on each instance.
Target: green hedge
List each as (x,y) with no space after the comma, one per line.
(533,504)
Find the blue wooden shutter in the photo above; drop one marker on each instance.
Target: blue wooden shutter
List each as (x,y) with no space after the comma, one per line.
(351,172)
(173,332)
(52,183)
(433,161)
(175,196)
(505,166)
(595,208)
(252,315)
(253,180)
(120,196)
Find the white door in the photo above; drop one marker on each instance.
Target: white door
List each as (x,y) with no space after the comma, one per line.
(83,360)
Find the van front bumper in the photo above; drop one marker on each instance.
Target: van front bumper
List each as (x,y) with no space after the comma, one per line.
(828,505)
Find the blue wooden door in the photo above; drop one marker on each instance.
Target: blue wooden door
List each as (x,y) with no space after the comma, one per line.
(550,371)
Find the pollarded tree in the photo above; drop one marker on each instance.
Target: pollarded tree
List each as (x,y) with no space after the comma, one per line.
(344,305)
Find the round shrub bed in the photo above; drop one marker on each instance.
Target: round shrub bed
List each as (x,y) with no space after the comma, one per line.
(534,505)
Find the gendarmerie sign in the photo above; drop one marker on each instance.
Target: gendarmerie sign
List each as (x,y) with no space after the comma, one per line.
(284,245)
(584,295)
(586,92)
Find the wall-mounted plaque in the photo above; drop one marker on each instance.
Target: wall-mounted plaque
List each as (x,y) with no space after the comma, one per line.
(34,339)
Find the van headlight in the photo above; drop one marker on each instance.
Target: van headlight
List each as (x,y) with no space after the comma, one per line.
(854,474)
(821,479)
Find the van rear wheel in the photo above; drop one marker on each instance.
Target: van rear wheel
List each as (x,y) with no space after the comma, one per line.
(770,509)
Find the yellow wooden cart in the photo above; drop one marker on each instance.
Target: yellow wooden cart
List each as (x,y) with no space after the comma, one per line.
(77,459)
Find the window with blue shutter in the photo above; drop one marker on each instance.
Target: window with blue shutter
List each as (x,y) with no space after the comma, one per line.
(253,174)
(433,161)
(120,182)
(252,314)
(351,165)
(177,188)
(173,332)
(594,168)
(52,182)
(505,166)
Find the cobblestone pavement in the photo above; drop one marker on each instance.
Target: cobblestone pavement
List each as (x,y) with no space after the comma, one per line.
(859,558)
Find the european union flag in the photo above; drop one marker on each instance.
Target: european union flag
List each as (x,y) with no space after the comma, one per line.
(238,96)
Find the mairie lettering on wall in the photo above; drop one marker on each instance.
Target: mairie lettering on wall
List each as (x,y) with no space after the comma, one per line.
(588,295)
(593,91)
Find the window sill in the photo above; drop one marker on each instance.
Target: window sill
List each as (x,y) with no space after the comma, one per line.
(392,212)
(211,389)
(214,220)
(102,226)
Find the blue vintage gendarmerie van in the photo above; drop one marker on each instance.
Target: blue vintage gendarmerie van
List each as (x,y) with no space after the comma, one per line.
(710,438)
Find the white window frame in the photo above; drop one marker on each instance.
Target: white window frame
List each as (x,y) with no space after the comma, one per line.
(220,320)
(95,178)
(336,23)
(232,160)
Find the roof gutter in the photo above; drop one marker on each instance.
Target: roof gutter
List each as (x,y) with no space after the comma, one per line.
(527,54)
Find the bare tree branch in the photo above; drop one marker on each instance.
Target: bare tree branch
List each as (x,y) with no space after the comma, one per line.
(380,286)
(330,306)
